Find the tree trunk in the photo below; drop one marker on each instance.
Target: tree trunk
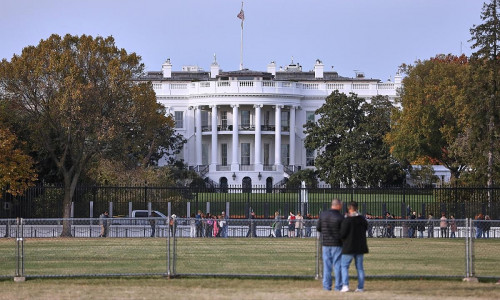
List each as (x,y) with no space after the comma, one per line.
(68,195)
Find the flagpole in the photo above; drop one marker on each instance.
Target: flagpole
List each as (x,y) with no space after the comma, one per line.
(241,42)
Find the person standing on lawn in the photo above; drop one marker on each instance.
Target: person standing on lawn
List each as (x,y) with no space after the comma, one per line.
(353,234)
(329,226)
(103,222)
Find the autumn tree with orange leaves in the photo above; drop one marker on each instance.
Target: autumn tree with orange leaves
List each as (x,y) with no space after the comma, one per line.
(16,167)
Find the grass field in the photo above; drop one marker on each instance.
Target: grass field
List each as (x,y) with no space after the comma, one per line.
(260,256)
(239,256)
(223,288)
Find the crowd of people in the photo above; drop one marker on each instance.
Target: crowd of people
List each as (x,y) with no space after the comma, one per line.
(298,226)
(416,225)
(295,225)
(206,225)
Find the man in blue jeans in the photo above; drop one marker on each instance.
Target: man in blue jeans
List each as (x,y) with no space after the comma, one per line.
(329,227)
(353,234)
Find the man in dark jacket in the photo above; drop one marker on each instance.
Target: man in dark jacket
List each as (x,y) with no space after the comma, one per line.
(329,227)
(353,234)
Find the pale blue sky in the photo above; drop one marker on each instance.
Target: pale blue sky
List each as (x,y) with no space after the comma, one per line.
(368,35)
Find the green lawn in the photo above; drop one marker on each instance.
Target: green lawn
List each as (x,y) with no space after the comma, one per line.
(261,256)
(317,201)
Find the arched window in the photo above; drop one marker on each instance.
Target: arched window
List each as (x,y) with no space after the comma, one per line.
(246,185)
(269,185)
(223,184)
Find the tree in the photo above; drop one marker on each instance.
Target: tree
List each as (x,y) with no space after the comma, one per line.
(348,138)
(484,92)
(81,102)
(433,114)
(377,166)
(308,176)
(16,167)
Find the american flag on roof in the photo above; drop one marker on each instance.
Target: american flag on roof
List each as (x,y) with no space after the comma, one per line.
(241,15)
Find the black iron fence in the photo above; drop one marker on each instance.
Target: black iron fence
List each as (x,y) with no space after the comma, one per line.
(45,201)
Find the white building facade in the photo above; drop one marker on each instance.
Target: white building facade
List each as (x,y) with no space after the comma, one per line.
(246,127)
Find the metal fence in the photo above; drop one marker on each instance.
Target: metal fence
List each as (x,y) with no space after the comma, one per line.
(45,201)
(240,247)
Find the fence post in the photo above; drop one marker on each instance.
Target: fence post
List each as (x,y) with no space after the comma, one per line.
(467,232)
(91,209)
(19,277)
(208,207)
(188,210)
(130,209)
(317,275)
(168,241)
(149,209)
(228,216)
(110,209)
(469,251)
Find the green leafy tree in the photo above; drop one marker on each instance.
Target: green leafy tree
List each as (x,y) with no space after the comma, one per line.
(484,92)
(376,166)
(348,139)
(308,176)
(81,103)
(432,118)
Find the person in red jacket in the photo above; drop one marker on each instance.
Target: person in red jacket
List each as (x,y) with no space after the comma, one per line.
(354,246)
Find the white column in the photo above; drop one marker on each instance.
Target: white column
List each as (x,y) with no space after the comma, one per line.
(277,137)
(198,135)
(234,159)
(292,135)
(258,139)
(213,163)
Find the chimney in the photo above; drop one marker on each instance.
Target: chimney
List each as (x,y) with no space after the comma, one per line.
(318,69)
(166,69)
(214,68)
(271,68)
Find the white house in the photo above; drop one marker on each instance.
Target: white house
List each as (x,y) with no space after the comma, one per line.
(246,127)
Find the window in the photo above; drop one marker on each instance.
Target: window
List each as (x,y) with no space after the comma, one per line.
(223,118)
(267,117)
(285,120)
(310,115)
(223,153)
(204,154)
(245,118)
(266,154)
(285,154)
(179,119)
(204,120)
(245,154)
(309,158)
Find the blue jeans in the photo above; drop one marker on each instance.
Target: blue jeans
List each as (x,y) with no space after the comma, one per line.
(331,258)
(346,261)
(479,232)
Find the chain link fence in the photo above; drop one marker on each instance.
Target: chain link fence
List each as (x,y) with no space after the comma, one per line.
(256,247)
